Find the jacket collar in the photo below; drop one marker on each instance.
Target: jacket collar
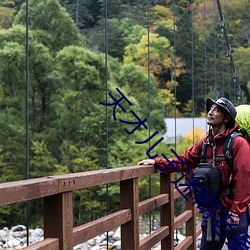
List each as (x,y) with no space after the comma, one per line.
(220,136)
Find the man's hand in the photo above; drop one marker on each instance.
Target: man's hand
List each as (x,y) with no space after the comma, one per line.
(146,162)
(236,219)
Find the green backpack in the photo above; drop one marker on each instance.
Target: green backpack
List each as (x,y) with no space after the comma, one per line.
(243,120)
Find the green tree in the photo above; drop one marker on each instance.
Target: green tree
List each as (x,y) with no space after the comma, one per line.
(118,31)
(13,60)
(241,56)
(12,107)
(78,72)
(132,78)
(13,148)
(53,25)
(42,163)
(84,13)
(161,57)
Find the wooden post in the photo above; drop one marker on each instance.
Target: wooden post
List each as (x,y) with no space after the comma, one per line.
(58,219)
(129,197)
(167,210)
(191,223)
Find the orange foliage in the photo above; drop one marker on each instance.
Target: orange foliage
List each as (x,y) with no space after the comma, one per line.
(196,133)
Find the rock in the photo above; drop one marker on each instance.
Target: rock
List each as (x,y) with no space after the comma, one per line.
(18,234)
(91,242)
(117,244)
(103,243)
(18,228)
(18,247)
(80,246)
(100,238)
(95,248)
(38,232)
(180,237)
(13,243)
(111,233)
(3,233)
(23,240)
(111,239)
(117,235)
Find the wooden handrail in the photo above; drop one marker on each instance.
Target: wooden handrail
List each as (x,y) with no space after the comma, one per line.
(58,209)
(24,190)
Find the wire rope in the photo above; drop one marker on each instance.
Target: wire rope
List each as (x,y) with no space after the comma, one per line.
(236,83)
(205,49)
(221,46)
(192,74)
(229,83)
(175,87)
(215,52)
(106,82)
(27,207)
(174,73)
(222,68)
(149,177)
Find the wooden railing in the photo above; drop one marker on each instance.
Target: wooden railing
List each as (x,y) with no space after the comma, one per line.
(56,192)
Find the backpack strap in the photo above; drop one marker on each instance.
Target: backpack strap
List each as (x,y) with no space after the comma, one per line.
(227,148)
(203,152)
(227,151)
(203,158)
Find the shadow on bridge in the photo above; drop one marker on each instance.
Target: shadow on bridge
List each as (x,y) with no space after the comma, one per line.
(59,232)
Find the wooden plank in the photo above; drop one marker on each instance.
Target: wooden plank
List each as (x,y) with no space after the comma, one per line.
(129,196)
(152,203)
(185,244)
(182,218)
(191,223)
(90,230)
(198,230)
(46,244)
(154,238)
(58,219)
(167,210)
(24,190)
(177,193)
(94,178)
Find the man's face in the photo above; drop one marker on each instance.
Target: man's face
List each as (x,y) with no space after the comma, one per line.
(215,116)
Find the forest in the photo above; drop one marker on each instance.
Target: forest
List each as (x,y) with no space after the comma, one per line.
(165,56)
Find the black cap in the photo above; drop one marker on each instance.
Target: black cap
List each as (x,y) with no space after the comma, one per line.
(223,103)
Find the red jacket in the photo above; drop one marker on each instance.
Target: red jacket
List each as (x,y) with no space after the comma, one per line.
(241,167)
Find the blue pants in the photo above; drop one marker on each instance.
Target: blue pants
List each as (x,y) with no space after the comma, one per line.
(231,235)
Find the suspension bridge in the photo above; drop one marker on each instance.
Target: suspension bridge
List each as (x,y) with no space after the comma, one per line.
(57,191)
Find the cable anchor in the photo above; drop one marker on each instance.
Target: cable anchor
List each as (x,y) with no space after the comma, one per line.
(222,24)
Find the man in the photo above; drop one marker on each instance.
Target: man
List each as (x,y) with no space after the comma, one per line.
(221,115)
